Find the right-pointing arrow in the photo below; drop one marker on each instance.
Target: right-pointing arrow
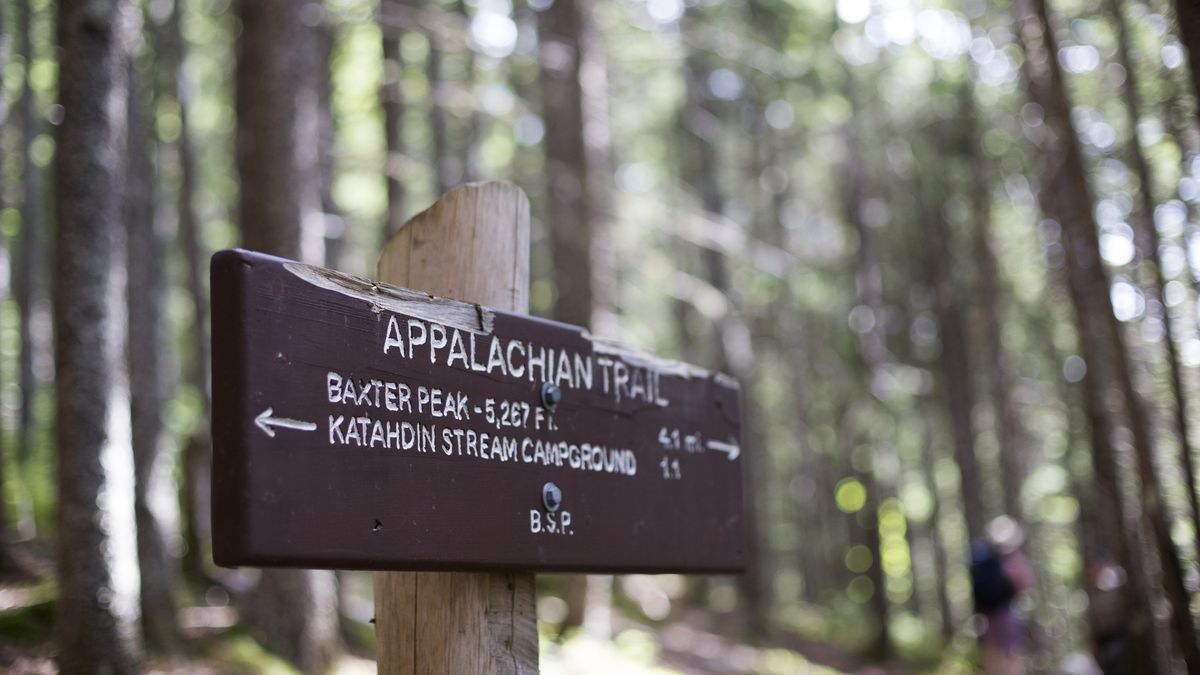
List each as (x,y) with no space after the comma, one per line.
(728,448)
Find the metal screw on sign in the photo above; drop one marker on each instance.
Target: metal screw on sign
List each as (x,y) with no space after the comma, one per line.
(551,395)
(551,497)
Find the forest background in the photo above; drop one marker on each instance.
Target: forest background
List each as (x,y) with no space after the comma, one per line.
(950,250)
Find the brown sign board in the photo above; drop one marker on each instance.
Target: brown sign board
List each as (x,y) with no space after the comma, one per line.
(362,426)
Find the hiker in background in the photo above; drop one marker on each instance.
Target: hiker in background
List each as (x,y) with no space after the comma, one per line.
(1000,575)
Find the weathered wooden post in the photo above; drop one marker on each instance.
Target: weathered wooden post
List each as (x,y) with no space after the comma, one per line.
(472,245)
(456,446)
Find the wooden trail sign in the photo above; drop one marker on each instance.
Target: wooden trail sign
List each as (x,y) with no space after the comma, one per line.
(363,426)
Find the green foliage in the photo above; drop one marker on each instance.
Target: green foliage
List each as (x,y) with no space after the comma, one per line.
(30,620)
(839,131)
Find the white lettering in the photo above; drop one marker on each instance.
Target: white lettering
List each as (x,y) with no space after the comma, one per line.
(334,387)
(437,340)
(513,365)
(458,350)
(393,339)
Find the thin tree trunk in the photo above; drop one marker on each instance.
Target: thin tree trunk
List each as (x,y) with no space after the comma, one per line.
(171,52)
(820,575)
(189,221)
(955,364)
(97,607)
(292,612)
(872,354)
(956,376)
(28,284)
(391,94)
(153,459)
(940,562)
(8,564)
(598,151)
(1149,244)
(788,326)
(803,479)
(1065,194)
(468,157)
(1187,16)
(439,143)
(1118,521)
(526,164)
(560,38)
(867,521)
(568,182)
(1182,129)
(1006,419)
(732,348)
(1113,524)
(5,53)
(332,221)
(836,540)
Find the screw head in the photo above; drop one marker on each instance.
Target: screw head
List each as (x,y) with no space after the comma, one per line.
(551,395)
(551,497)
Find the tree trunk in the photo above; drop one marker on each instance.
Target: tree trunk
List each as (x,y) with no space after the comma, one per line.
(1119,533)
(1148,245)
(868,527)
(97,608)
(1006,419)
(196,456)
(939,554)
(391,95)
(793,342)
(576,191)
(560,37)
(277,109)
(1187,16)
(8,564)
(803,478)
(468,157)
(1116,521)
(331,217)
(292,612)
(955,365)
(1180,125)
(732,351)
(1066,195)
(439,143)
(28,281)
(597,144)
(154,507)
(872,353)
(956,378)
(5,52)
(871,358)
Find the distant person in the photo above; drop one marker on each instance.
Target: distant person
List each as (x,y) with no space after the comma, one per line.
(1000,575)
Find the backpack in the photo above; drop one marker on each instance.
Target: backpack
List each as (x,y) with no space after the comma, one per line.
(990,584)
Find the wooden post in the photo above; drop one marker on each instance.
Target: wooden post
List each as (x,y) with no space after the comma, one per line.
(472,245)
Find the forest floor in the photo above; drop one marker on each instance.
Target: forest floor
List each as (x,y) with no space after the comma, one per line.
(695,642)
(636,649)
(681,647)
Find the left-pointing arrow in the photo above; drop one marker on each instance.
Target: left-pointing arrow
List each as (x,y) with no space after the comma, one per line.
(265,421)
